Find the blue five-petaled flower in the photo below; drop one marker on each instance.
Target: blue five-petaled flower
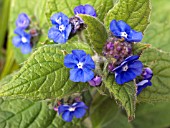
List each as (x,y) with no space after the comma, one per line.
(77,109)
(81,65)
(86,9)
(22,40)
(22,21)
(122,30)
(61,28)
(128,70)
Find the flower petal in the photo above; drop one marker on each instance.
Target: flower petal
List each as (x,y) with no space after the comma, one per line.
(136,67)
(19,31)
(76,74)
(79,10)
(56,35)
(67,116)
(87,75)
(17,41)
(134,36)
(90,10)
(89,63)
(59,18)
(114,28)
(79,112)
(62,108)
(132,58)
(143,84)
(79,54)
(70,61)
(22,21)
(80,104)
(123,27)
(26,48)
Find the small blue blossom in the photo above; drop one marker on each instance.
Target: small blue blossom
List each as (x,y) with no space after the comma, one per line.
(77,109)
(147,74)
(143,84)
(23,21)
(86,9)
(122,30)
(22,40)
(81,66)
(128,70)
(61,28)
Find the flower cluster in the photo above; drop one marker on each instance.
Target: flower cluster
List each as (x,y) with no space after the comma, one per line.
(23,39)
(64,28)
(118,51)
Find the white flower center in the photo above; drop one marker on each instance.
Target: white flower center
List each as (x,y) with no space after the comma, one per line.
(23,39)
(71,109)
(58,20)
(125,68)
(80,65)
(61,28)
(124,34)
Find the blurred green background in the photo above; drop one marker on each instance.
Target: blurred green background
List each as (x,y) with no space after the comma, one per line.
(157,34)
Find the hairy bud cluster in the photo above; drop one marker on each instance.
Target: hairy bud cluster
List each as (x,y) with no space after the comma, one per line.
(116,50)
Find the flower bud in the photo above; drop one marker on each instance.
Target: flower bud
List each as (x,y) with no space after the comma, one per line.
(96,81)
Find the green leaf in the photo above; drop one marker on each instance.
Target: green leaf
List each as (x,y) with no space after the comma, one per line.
(159,62)
(67,7)
(159,29)
(152,116)
(138,48)
(96,33)
(105,114)
(136,13)
(19,113)
(44,74)
(125,95)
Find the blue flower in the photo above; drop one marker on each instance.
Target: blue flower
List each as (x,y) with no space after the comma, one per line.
(23,21)
(86,9)
(143,84)
(147,74)
(61,28)
(122,30)
(77,109)
(128,70)
(22,40)
(81,64)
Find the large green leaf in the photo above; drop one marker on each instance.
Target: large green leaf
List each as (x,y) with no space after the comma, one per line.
(105,114)
(152,116)
(95,34)
(44,74)
(134,12)
(159,62)
(67,6)
(124,94)
(158,31)
(19,113)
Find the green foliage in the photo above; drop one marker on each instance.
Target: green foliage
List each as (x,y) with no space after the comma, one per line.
(159,29)
(96,33)
(159,62)
(19,113)
(105,114)
(44,74)
(134,12)
(124,94)
(138,48)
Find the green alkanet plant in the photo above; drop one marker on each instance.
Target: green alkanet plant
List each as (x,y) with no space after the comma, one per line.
(86,57)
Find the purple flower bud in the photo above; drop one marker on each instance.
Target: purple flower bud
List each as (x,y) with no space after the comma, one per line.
(96,81)
(147,73)
(56,109)
(110,46)
(110,67)
(118,48)
(23,21)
